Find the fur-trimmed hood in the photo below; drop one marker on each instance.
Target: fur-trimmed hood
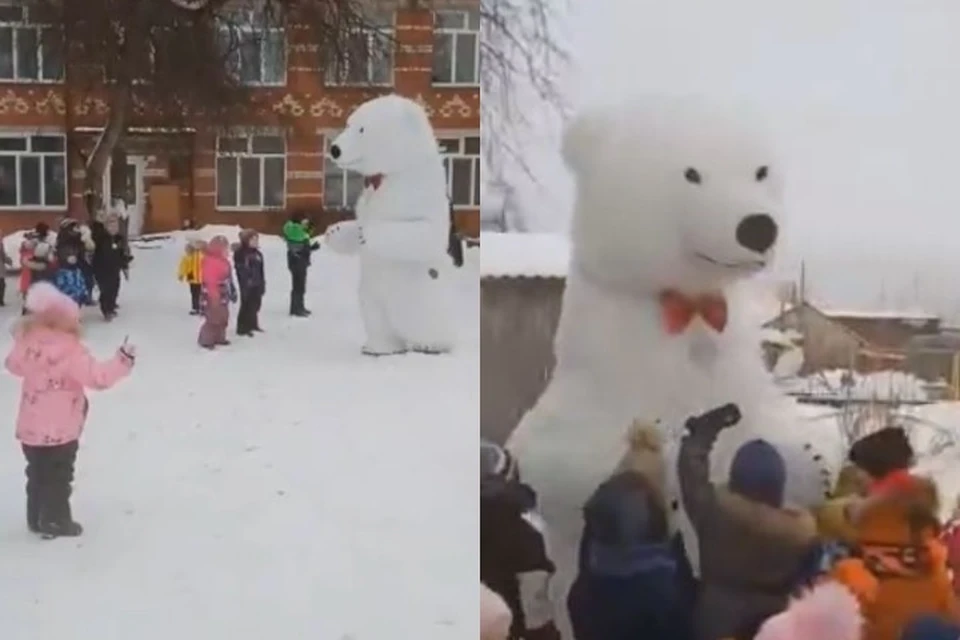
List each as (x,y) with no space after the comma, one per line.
(794,527)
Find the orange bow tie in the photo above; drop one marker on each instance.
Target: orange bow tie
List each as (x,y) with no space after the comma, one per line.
(679,311)
(373,181)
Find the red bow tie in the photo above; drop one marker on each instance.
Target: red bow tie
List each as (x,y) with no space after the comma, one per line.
(373,181)
(679,311)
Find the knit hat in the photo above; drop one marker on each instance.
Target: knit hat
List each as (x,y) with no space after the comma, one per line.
(829,611)
(44,299)
(246,234)
(930,628)
(882,452)
(759,473)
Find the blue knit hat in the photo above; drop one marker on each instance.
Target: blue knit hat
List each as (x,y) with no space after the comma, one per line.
(758,473)
(930,628)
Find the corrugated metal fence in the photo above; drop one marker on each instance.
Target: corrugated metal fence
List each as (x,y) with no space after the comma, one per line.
(518,320)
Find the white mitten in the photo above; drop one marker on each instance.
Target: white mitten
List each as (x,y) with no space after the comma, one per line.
(343,237)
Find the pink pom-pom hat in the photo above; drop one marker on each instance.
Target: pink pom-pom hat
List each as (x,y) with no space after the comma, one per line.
(44,299)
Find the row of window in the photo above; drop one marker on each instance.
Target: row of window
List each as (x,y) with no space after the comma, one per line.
(251,173)
(30,53)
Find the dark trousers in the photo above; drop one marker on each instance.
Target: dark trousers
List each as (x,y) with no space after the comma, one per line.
(195,290)
(89,278)
(298,287)
(109,283)
(247,319)
(3,291)
(49,478)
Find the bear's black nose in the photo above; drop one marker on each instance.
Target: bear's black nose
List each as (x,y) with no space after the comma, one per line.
(756,232)
(334,152)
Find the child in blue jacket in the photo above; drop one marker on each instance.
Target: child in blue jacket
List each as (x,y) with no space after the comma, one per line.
(69,277)
(631,583)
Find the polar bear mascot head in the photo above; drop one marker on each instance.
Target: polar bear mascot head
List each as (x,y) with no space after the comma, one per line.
(692,197)
(684,196)
(384,136)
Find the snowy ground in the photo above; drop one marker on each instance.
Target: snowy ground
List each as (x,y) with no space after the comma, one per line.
(285,487)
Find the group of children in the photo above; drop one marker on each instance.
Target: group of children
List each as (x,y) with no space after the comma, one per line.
(79,259)
(206,268)
(873,562)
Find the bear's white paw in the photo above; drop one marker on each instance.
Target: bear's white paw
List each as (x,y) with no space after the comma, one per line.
(344,237)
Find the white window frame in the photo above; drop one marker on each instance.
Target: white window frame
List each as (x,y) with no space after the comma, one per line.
(25,23)
(261,156)
(27,136)
(460,138)
(329,166)
(386,30)
(247,25)
(455,33)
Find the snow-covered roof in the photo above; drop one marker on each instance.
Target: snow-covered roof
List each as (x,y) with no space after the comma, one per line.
(523,255)
(907,316)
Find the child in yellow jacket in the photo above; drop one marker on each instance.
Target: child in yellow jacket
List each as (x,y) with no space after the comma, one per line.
(189,272)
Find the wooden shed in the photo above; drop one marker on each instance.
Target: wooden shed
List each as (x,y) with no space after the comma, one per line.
(522,277)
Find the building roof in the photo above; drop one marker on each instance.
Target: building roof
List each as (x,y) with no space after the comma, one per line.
(905,315)
(524,255)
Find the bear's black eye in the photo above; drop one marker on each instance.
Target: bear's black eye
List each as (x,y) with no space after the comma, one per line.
(361,129)
(692,176)
(762,173)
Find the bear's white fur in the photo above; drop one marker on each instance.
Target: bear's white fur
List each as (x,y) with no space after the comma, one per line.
(401,229)
(642,224)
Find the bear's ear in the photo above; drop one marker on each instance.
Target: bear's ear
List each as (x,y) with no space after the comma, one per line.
(583,134)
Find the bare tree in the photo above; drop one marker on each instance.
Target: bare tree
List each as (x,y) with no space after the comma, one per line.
(174,63)
(521,61)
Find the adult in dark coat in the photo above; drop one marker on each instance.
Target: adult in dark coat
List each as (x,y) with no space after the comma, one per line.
(111,258)
(514,562)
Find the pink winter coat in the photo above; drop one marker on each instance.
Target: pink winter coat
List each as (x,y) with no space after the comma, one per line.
(214,273)
(56,368)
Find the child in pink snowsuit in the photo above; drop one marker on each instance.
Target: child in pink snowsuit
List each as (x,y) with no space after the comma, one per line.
(55,368)
(218,292)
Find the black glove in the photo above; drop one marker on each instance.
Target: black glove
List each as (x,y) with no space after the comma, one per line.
(314,246)
(719,418)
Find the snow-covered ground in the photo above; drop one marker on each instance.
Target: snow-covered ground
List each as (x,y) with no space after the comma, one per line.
(285,487)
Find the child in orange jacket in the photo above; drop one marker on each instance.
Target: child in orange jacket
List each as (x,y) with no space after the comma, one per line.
(898,565)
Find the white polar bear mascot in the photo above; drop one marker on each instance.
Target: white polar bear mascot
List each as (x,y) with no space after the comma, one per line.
(677,201)
(402,227)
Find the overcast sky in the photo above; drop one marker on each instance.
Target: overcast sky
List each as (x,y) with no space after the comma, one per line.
(864,97)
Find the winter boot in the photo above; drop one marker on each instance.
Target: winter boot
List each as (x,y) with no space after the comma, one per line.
(33,511)
(56,518)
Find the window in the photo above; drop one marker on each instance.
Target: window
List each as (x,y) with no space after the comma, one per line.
(29,52)
(461,159)
(251,172)
(368,57)
(33,171)
(256,51)
(341,188)
(456,48)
